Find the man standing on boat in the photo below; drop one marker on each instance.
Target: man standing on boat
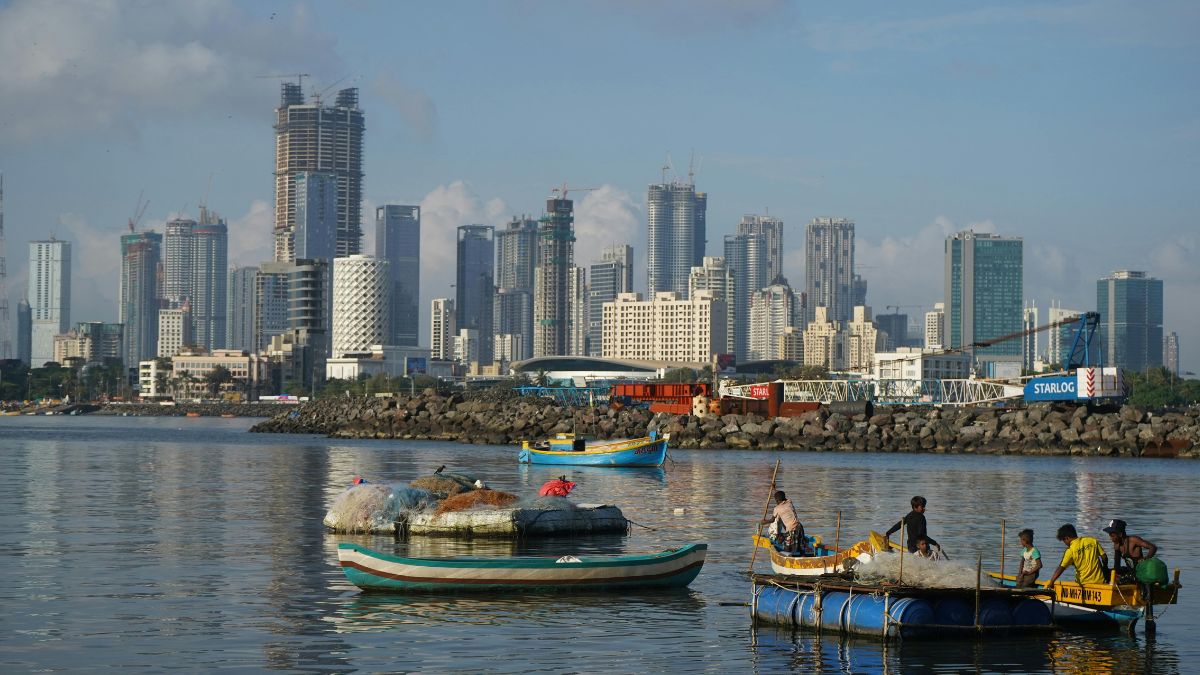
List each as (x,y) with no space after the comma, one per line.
(790,531)
(1128,548)
(1084,553)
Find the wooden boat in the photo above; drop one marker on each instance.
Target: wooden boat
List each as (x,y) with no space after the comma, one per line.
(567,449)
(824,560)
(1105,604)
(193,414)
(375,571)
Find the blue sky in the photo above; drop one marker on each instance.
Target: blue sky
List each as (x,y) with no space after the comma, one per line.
(1073,125)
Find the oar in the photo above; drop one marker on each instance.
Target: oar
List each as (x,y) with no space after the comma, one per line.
(766,508)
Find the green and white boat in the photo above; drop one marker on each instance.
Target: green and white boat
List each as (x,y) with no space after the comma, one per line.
(375,571)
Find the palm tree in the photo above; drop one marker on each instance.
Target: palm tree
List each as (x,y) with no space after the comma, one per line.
(216,377)
(542,378)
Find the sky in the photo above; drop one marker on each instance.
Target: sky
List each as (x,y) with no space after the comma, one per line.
(1075,125)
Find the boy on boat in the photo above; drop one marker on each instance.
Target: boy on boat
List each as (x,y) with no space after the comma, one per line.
(914,525)
(924,550)
(1031,560)
(789,531)
(1084,553)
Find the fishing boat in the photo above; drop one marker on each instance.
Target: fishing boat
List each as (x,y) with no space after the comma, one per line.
(375,571)
(1105,604)
(823,560)
(568,449)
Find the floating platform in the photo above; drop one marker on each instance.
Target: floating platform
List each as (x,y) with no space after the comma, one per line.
(514,523)
(888,610)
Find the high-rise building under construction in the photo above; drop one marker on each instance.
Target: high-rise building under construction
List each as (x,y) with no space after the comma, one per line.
(315,136)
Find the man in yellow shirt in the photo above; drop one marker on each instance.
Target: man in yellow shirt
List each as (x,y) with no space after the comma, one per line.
(1084,553)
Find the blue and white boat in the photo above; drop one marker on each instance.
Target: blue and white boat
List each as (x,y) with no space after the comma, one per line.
(566,449)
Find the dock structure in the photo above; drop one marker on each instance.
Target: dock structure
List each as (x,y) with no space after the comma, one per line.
(888,610)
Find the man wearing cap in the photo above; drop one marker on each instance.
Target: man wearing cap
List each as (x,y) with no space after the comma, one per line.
(1085,553)
(1128,547)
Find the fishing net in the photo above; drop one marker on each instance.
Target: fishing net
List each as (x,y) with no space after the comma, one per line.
(920,572)
(375,507)
(474,500)
(445,485)
(546,503)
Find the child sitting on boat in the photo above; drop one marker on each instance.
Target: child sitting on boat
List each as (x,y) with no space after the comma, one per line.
(926,552)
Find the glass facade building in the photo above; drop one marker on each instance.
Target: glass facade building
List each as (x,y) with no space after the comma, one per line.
(475,285)
(984,286)
(398,241)
(1131,319)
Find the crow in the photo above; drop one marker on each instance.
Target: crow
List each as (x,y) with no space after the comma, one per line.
(439,469)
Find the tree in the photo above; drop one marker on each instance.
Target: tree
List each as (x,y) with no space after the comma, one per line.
(542,378)
(680,375)
(216,377)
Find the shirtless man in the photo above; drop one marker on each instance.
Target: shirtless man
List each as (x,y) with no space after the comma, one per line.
(1128,547)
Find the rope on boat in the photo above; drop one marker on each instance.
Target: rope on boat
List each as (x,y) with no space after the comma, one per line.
(630,522)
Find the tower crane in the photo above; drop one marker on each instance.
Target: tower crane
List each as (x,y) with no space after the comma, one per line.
(138,211)
(299,78)
(562,191)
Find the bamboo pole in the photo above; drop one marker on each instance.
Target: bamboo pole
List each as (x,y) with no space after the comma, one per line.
(766,508)
(1002,549)
(903,551)
(837,537)
(978,583)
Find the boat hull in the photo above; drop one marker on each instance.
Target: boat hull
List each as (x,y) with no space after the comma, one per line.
(832,562)
(1100,605)
(375,571)
(641,452)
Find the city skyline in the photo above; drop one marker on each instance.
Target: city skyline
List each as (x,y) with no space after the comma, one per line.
(1016,147)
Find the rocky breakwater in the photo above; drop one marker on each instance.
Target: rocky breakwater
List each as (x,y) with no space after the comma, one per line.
(191,409)
(495,418)
(501,418)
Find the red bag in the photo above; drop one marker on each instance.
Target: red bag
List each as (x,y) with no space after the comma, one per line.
(557,487)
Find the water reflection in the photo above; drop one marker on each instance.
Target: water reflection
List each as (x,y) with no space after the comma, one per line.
(196,546)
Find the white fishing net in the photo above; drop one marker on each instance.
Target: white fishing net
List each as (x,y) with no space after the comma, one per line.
(375,507)
(920,572)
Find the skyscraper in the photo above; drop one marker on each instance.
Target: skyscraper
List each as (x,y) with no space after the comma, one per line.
(935,327)
(270,302)
(772,309)
(551,294)
(1131,318)
(676,228)
(1171,353)
(195,273)
(746,255)
(771,229)
(314,136)
(577,311)
(398,241)
(315,236)
(829,278)
(984,293)
(1029,341)
(442,329)
(360,303)
(475,285)
(141,263)
(718,278)
(239,331)
(612,275)
(49,296)
(516,258)
(895,329)
(6,349)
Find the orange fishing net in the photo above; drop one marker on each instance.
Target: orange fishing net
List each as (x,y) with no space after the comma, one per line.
(473,499)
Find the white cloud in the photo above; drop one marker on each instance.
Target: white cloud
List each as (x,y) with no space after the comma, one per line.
(605,217)
(96,268)
(251,237)
(108,65)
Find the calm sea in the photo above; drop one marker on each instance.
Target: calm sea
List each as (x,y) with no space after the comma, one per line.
(140,544)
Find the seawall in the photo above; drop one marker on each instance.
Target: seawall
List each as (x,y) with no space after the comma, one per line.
(500,418)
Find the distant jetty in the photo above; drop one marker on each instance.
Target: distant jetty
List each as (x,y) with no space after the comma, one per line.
(502,418)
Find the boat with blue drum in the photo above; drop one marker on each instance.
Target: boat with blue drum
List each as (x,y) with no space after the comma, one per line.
(1103,605)
(568,449)
(375,571)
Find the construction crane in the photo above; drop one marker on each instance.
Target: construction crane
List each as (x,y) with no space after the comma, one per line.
(138,212)
(299,78)
(562,191)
